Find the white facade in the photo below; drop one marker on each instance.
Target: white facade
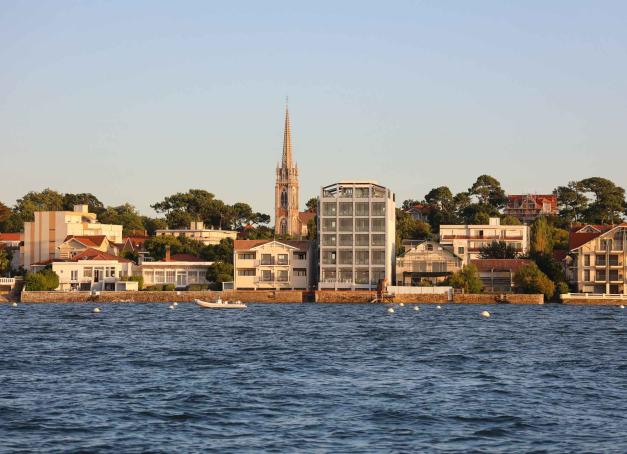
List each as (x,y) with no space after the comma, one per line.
(94,275)
(180,274)
(198,232)
(48,231)
(466,241)
(357,232)
(266,264)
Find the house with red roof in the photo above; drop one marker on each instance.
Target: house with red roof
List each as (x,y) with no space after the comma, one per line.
(529,207)
(597,258)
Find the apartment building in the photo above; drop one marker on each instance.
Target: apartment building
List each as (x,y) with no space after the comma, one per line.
(356,228)
(529,207)
(273,264)
(466,241)
(198,232)
(43,236)
(597,261)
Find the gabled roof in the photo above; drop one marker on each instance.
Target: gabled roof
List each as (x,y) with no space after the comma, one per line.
(512,265)
(306,216)
(246,245)
(86,240)
(581,235)
(185,258)
(93,254)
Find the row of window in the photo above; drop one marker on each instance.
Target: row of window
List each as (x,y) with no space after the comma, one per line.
(266,275)
(173,277)
(348,239)
(358,193)
(270,258)
(353,209)
(360,257)
(602,260)
(602,275)
(346,276)
(353,225)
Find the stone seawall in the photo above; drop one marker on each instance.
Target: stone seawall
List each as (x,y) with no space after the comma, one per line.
(262,296)
(489,298)
(361,296)
(595,302)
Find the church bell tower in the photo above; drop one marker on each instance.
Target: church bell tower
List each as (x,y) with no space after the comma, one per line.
(286,217)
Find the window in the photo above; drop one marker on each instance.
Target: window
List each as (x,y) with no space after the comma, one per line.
(601,275)
(284,198)
(300,272)
(361,257)
(328,257)
(266,275)
(300,255)
(362,193)
(361,239)
(192,277)
(266,259)
(614,275)
(283,226)
(346,239)
(88,272)
(586,260)
(346,275)
(586,275)
(329,240)
(378,225)
(329,208)
(378,208)
(361,209)
(282,276)
(328,275)
(460,250)
(361,225)
(429,247)
(159,277)
(378,257)
(74,275)
(329,225)
(346,257)
(378,239)
(282,259)
(361,277)
(245,272)
(377,275)
(346,193)
(247,256)
(378,192)
(346,208)
(170,276)
(614,260)
(600,260)
(109,272)
(346,225)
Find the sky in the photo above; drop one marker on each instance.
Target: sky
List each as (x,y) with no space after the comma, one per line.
(136,100)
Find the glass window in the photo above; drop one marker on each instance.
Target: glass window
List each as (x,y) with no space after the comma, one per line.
(600,260)
(88,271)
(346,275)
(378,257)
(266,275)
(329,225)
(460,250)
(74,275)
(170,277)
(614,275)
(346,208)
(329,208)
(266,259)
(586,260)
(586,275)
(346,193)
(361,239)
(282,259)
(300,256)
(346,239)
(378,239)
(378,225)
(282,275)
(377,275)
(362,193)
(329,275)
(361,225)
(361,209)
(378,208)
(300,272)
(361,257)
(245,272)
(613,260)
(346,225)
(328,257)
(378,192)
(160,277)
(346,257)
(247,256)
(329,240)
(361,277)
(600,275)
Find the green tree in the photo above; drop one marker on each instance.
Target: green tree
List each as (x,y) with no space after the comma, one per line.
(95,205)
(529,279)
(541,236)
(44,280)
(499,250)
(551,267)
(5,213)
(467,279)
(312,229)
(510,220)
(196,204)
(407,204)
(408,228)
(125,215)
(312,205)
(571,202)
(222,252)
(488,191)
(46,200)
(156,246)
(218,273)
(151,225)
(608,205)
(5,261)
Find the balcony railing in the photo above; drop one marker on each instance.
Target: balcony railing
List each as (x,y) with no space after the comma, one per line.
(482,238)
(273,262)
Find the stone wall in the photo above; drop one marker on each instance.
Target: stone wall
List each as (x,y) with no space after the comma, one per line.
(595,302)
(489,298)
(263,296)
(364,296)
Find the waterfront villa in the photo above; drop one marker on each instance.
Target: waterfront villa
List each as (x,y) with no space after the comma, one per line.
(179,270)
(273,264)
(597,259)
(43,236)
(529,207)
(75,244)
(497,275)
(424,260)
(198,232)
(357,230)
(466,241)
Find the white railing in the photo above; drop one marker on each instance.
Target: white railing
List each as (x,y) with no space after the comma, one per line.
(7,281)
(597,296)
(402,290)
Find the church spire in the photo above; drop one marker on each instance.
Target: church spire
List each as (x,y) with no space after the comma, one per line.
(287,141)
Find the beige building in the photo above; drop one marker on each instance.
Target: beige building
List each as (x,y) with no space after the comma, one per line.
(466,241)
(273,264)
(198,232)
(94,270)
(597,262)
(425,260)
(497,275)
(357,231)
(179,270)
(50,229)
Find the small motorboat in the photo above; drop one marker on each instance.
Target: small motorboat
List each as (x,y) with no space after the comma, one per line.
(219,304)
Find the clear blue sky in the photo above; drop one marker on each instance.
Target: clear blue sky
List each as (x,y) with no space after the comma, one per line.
(133,101)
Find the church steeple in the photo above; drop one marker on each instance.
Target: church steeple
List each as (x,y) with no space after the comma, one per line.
(286,162)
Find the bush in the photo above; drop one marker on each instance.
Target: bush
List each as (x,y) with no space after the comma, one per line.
(562,287)
(169,287)
(529,279)
(138,279)
(467,279)
(197,287)
(154,288)
(44,280)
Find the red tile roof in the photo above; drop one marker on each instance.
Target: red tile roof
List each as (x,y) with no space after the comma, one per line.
(10,236)
(306,216)
(500,264)
(577,239)
(94,241)
(185,258)
(93,254)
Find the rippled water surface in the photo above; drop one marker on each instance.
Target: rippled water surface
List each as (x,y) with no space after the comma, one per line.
(324,378)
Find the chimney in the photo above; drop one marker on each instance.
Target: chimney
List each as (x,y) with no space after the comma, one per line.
(167,253)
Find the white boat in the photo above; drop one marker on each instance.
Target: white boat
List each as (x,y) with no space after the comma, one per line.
(219,304)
